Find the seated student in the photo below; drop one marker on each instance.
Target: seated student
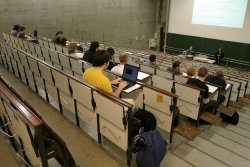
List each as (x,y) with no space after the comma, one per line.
(94,76)
(111,63)
(63,41)
(57,38)
(219,56)
(88,55)
(21,33)
(190,72)
(218,79)
(120,67)
(175,68)
(150,61)
(72,51)
(208,105)
(15,30)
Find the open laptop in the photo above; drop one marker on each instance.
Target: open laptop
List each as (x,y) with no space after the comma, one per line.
(129,75)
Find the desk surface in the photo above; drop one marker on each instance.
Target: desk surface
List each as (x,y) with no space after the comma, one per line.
(142,76)
(211,88)
(136,86)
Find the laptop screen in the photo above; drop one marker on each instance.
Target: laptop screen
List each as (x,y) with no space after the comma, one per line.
(130,73)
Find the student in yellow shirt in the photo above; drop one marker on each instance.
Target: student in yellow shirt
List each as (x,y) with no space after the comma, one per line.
(95,76)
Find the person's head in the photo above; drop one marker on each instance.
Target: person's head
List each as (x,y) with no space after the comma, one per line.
(111,51)
(190,71)
(202,72)
(72,47)
(152,58)
(123,58)
(101,59)
(79,48)
(220,49)
(16,27)
(22,28)
(59,34)
(63,41)
(220,73)
(176,65)
(94,46)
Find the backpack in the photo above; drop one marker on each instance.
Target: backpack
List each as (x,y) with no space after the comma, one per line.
(232,120)
(151,149)
(147,119)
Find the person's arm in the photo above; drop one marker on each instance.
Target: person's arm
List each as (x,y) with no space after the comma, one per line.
(116,81)
(121,86)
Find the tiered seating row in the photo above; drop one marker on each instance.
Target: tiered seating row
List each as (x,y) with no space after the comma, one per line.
(86,102)
(32,139)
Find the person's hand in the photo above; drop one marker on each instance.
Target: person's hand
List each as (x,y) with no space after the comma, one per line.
(116,81)
(122,85)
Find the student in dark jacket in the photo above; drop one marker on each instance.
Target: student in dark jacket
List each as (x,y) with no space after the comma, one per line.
(219,80)
(88,55)
(111,62)
(175,68)
(208,105)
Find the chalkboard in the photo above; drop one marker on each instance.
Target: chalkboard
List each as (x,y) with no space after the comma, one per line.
(234,50)
(195,42)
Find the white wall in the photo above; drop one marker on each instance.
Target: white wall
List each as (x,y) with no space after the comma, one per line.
(181,23)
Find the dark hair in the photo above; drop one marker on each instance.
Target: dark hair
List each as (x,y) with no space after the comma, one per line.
(101,57)
(16,27)
(202,72)
(94,45)
(176,64)
(152,58)
(57,40)
(22,28)
(63,41)
(111,51)
(79,48)
(59,32)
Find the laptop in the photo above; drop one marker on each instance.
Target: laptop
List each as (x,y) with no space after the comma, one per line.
(129,75)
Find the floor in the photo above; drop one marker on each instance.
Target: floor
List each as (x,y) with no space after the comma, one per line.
(217,146)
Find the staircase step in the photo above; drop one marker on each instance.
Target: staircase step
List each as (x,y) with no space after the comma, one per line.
(226,111)
(187,130)
(210,118)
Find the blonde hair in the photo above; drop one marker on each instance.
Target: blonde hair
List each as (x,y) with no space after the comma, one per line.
(72,47)
(123,58)
(190,71)
(220,73)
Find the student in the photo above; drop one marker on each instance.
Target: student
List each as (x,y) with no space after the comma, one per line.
(219,56)
(88,55)
(72,51)
(219,80)
(15,30)
(120,67)
(111,63)
(95,76)
(63,41)
(57,38)
(150,61)
(208,105)
(175,68)
(21,34)
(190,72)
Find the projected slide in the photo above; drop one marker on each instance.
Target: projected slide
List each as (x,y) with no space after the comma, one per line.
(226,13)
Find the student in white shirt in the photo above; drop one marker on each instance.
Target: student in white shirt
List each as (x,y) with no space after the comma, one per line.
(72,51)
(119,68)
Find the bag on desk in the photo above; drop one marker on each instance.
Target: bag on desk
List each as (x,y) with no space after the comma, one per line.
(232,120)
